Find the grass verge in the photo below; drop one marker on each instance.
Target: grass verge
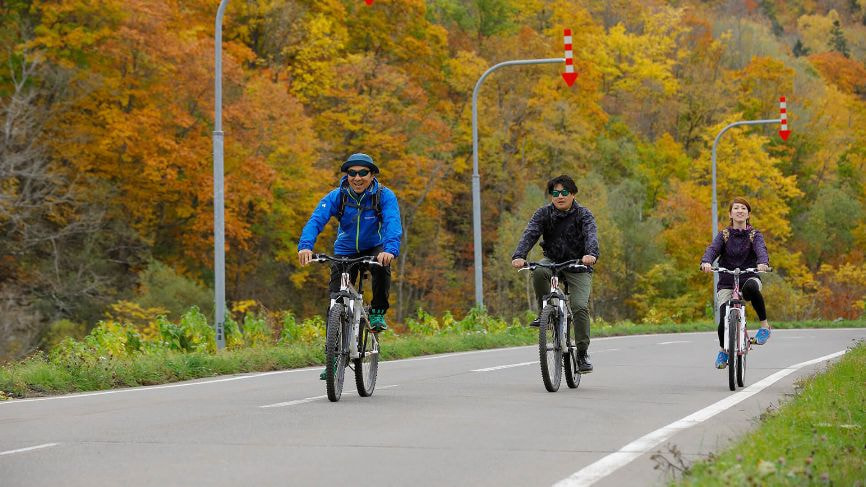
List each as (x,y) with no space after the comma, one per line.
(819,438)
(37,376)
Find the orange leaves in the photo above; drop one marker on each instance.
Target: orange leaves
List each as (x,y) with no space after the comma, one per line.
(849,75)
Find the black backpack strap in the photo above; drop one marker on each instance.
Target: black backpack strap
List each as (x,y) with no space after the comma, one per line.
(376,206)
(342,207)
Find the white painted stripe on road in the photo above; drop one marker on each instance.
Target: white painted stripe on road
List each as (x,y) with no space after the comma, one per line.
(500,367)
(318,368)
(596,471)
(153,388)
(30,448)
(309,399)
(675,341)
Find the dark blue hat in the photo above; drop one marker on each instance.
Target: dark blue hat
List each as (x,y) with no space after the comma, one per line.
(359,159)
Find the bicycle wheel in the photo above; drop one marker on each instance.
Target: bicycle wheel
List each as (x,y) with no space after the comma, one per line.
(335,356)
(741,363)
(549,350)
(572,373)
(733,320)
(367,364)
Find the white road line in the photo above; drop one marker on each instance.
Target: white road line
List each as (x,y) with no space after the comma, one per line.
(318,368)
(607,465)
(30,448)
(500,367)
(310,399)
(675,341)
(153,388)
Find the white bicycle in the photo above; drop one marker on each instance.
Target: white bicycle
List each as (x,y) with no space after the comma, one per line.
(349,338)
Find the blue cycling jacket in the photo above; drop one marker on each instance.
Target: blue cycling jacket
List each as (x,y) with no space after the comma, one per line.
(359,231)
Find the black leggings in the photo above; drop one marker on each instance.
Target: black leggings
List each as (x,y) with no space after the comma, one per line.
(752,293)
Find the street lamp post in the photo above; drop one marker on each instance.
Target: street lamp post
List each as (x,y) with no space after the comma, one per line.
(715,200)
(476,178)
(219,186)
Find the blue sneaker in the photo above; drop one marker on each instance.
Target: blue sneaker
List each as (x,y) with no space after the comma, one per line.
(762,336)
(721,360)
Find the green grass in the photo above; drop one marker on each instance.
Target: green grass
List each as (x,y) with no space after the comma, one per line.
(38,376)
(818,438)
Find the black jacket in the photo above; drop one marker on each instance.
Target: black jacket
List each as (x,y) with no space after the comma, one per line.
(567,234)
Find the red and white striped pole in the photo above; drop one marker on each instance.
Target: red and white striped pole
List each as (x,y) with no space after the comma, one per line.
(783,118)
(569,75)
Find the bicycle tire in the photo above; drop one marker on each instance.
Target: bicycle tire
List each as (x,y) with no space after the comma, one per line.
(741,364)
(733,320)
(367,365)
(549,351)
(572,371)
(335,357)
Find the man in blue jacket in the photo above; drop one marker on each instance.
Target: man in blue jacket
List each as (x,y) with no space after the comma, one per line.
(369,219)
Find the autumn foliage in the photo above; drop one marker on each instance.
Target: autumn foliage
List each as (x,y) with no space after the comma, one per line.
(106,153)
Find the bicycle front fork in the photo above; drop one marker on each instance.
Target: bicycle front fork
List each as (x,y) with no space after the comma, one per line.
(741,330)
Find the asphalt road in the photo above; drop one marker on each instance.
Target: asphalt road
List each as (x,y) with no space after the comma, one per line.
(477,418)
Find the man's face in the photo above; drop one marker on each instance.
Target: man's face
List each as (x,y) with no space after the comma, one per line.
(562,201)
(360,178)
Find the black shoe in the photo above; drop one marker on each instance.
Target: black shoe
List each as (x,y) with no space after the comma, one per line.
(535,323)
(583,365)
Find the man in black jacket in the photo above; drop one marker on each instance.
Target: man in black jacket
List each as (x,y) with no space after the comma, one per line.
(568,232)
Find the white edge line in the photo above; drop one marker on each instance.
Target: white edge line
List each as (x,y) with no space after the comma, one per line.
(672,342)
(30,448)
(306,369)
(610,463)
(309,399)
(500,367)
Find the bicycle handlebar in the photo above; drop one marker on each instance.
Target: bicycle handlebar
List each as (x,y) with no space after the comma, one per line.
(739,271)
(570,264)
(364,259)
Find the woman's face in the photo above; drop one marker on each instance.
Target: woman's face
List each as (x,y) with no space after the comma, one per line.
(739,213)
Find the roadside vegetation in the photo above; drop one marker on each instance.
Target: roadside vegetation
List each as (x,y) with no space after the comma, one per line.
(134,348)
(818,438)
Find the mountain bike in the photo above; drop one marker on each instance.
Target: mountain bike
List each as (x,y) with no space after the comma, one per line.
(557,348)
(349,340)
(737,341)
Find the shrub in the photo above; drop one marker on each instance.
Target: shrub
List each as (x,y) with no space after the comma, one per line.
(60,330)
(257,332)
(162,287)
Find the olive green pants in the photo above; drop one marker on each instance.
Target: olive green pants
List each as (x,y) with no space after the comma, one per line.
(579,287)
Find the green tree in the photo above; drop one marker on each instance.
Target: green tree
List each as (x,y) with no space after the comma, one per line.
(837,40)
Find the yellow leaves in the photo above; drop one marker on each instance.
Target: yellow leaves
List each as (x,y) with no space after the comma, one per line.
(638,62)
(313,70)
(815,30)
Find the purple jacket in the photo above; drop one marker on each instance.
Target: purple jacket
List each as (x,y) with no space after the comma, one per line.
(738,251)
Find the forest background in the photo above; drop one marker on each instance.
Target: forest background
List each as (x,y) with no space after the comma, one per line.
(106,119)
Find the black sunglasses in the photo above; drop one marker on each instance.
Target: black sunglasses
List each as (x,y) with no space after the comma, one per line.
(557,192)
(363,173)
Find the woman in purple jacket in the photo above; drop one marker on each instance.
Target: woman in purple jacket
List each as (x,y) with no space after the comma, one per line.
(739,246)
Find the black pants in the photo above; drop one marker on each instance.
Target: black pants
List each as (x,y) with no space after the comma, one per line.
(751,292)
(381,279)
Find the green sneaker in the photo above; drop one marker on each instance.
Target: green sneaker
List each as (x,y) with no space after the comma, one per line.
(377,320)
(324,374)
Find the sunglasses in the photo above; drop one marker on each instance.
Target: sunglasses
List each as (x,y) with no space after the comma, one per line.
(563,192)
(363,173)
